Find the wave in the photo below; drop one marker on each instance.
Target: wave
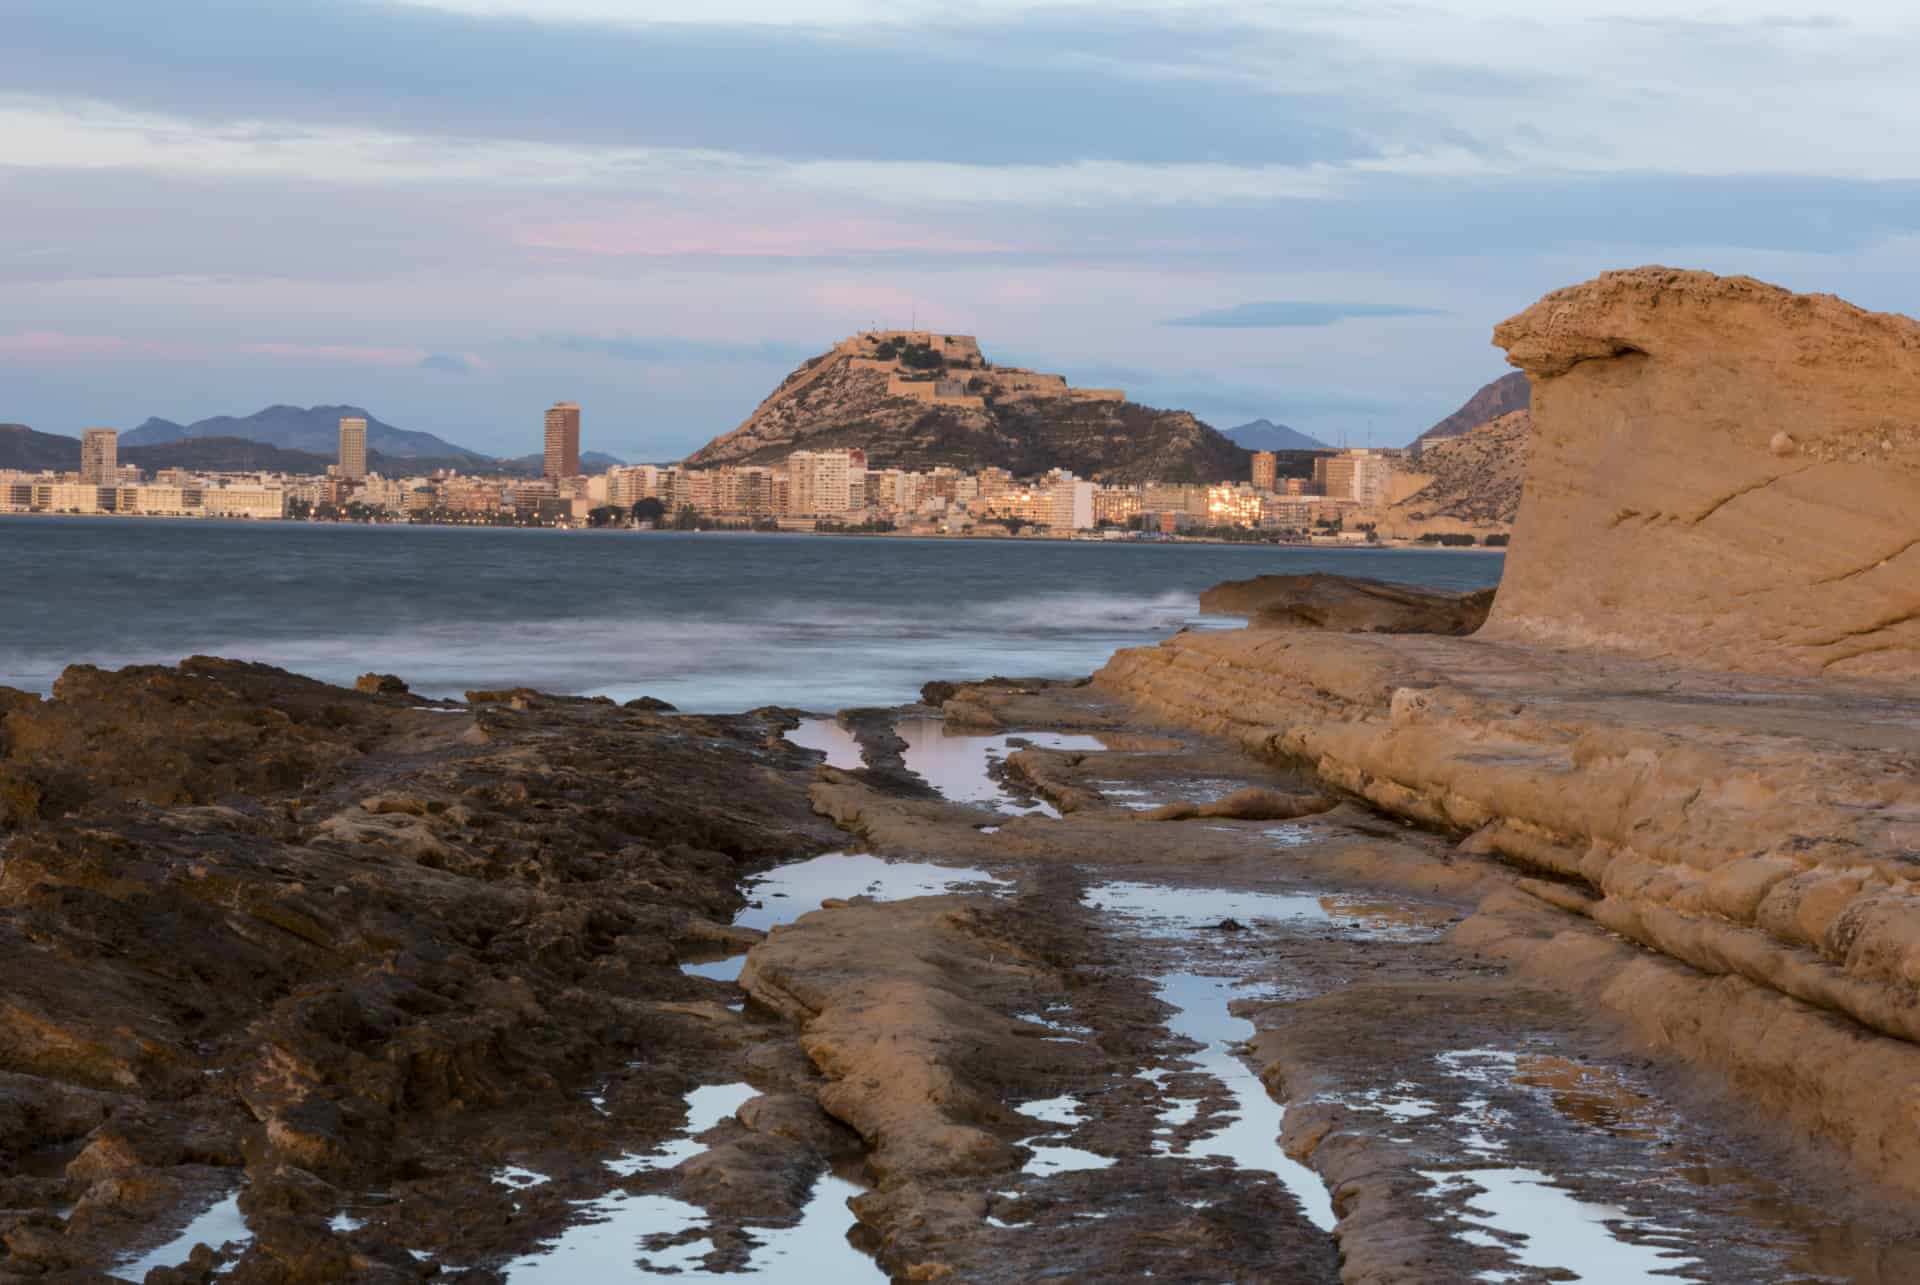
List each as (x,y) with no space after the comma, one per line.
(794,651)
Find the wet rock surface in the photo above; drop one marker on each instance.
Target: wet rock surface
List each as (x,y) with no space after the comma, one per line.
(463,1005)
(332,952)
(1347,604)
(1441,1076)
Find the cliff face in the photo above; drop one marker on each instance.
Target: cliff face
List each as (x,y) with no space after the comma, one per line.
(940,403)
(1503,396)
(1721,472)
(1665,715)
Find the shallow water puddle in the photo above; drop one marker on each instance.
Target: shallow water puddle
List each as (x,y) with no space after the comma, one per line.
(1051,1159)
(707,1106)
(787,892)
(221,1227)
(1172,911)
(957,764)
(1251,1138)
(1140,797)
(1068,1033)
(1391,919)
(621,1231)
(720,970)
(624,1233)
(790,891)
(832,738)
(1182,910)
(520,1179)
(1539,1225)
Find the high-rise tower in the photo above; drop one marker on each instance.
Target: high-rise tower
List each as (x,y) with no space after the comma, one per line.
(100,456)
(353,447)
(563,440)
(1266,468)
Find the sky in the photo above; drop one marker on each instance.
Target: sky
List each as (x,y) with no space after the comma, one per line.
(456,213)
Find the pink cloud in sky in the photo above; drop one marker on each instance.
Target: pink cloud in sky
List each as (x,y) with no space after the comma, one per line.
(55,345)
(792,235)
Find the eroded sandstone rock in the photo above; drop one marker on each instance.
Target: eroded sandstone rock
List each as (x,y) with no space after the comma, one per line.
(1722,472)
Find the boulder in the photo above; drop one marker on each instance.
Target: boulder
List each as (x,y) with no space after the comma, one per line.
(380,685)
(1346,604)
(1722,473)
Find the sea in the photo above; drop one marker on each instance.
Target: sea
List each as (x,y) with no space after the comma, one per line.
(711,622)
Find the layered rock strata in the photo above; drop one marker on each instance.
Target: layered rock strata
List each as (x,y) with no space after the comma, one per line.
(1721,477)
(1761,829)
(1721,472)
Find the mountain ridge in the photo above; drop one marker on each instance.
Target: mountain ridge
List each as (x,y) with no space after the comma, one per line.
(31,451)
(1265,435)
(1503,396)
(314,429)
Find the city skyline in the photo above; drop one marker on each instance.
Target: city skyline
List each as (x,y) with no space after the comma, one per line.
(1307,215)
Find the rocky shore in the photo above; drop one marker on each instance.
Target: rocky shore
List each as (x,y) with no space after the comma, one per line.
(1354,946)
(324,949)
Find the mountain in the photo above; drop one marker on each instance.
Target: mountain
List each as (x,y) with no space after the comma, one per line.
(535,464)
(225,455)
(23,448)
(1265,435)
(1503,396)
(315,429)
(914,399)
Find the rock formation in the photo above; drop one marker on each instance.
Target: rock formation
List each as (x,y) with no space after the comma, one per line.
(1723,473)
(913,399)
(261,934)
(1664,716)
(1346,604)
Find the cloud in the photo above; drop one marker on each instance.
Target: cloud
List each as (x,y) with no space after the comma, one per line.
(1000,92)
(56,345)
(665,348)
(1273,314)
(446,361)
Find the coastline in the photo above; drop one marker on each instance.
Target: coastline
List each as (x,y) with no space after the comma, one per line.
(899,1043)
(888,535)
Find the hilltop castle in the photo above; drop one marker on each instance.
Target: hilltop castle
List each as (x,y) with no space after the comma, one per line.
(949,370)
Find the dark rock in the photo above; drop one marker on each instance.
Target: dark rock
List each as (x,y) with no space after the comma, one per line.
(380,684)
(1347,604)
(248,919)
(651,703)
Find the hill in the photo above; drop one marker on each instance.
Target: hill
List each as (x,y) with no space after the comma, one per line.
(1472,481)
(314,429)
(23,448)
(533,465)
(915,399)
(1503,396)
(1265,435)
(224,455)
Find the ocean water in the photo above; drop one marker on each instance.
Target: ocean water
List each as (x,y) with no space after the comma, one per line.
(710,622)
